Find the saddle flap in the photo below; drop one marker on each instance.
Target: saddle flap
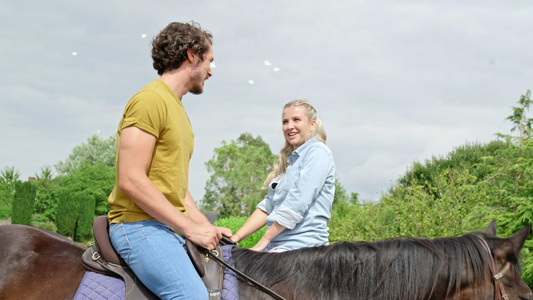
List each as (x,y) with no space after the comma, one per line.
(101,235)
(197,257)
(211,272)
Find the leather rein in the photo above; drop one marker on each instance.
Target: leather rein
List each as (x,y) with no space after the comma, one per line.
(499,289)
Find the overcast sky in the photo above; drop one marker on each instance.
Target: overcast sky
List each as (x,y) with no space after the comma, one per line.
(393,81)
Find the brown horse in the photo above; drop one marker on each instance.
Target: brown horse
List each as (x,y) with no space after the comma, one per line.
(38,264)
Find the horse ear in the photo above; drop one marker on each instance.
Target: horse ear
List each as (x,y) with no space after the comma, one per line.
(519,238)
(491,230)
(513,244)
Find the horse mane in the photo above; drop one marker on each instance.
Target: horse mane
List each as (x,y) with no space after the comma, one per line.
(400,268)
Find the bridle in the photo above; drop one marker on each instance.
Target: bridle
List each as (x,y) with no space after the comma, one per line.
(499,289)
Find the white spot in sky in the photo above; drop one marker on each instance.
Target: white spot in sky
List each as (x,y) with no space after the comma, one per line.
(74,53)
(251,82)
(143,36)
(267,63)
(276,69)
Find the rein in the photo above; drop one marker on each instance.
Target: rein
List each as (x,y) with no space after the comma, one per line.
(499,289)
(214,255)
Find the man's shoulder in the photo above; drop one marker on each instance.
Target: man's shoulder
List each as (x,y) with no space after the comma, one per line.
(154,92)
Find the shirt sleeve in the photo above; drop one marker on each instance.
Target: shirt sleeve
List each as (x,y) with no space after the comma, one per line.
(145,111)
(266,205)
(316,167)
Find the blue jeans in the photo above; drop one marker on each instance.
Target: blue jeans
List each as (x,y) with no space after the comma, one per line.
(157,256)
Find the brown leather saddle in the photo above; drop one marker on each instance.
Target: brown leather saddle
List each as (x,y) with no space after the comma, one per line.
(102,258)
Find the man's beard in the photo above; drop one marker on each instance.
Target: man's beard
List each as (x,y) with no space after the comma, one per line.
(198,87)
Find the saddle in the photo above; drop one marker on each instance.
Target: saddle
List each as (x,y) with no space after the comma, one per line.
(102,258)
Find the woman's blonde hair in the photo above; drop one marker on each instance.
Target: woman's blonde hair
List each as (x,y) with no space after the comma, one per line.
(280,165)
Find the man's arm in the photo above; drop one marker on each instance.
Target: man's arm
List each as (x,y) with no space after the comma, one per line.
(192,210)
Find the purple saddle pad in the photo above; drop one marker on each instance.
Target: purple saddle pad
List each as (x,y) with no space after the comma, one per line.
(95,286)
(230,289)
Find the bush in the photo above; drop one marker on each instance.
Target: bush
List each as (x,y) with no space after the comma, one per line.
(23,202)
(5,211)
(84,228)
(67,213)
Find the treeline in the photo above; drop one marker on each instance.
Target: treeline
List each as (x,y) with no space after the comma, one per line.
(442,196)
(69,202)
(454,194)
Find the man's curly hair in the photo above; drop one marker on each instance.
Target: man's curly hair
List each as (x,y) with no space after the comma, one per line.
(169,47)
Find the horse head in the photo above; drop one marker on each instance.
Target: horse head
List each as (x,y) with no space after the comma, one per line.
(506,255)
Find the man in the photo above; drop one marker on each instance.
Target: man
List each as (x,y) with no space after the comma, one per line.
(152,209)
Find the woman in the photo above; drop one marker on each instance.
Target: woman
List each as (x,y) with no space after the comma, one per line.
(297,207)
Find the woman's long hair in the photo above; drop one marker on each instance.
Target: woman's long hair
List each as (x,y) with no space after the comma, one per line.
(280,165)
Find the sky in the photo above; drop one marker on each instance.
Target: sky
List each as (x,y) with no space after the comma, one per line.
(394,82)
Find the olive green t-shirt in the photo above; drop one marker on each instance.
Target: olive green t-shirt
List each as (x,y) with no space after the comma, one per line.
(158,111)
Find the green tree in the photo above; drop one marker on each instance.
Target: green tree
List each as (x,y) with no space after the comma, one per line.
(45,202)
(341,195)
(238,170)
(23,203)
(8,177)
(85,217)
(521,123)
(97,180)
(96,150)
(67,213)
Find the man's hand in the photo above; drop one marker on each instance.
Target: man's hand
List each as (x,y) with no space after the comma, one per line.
(207,235)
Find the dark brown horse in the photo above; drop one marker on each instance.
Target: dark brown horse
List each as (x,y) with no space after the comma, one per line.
(38,264)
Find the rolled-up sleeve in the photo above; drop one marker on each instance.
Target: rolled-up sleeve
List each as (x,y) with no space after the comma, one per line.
(316,165)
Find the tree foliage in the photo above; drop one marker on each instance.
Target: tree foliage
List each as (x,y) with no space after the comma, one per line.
(84,227)
(238,172)
(68,208)
(89,169)
(521,123)
(45,203)
(8,178)
(460,192)
(97,180)
(24,200)
(96,150)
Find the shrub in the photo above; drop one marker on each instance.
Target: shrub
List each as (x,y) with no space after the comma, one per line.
(22,206)
(85,217)
(67,213)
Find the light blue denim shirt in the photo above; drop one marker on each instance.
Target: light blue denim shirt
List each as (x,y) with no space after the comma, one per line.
(301,200)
